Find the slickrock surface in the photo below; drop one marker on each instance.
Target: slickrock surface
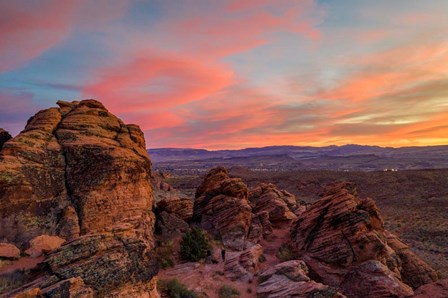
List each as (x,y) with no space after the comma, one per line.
(4,136)
(290,279)
(80,173)
(221,206)
(341,236)
(266,197)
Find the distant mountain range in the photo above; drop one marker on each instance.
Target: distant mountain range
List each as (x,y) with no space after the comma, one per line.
(347,157)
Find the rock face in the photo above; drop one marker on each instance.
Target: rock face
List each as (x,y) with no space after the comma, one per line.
(266,197)
(342,238)
(78,172)
(290,279)
(221,207)
(4,136)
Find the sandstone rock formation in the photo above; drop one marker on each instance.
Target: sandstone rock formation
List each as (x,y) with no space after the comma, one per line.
(181,207)
(80,173)
(290,279)
(4,136)
(221,207)
(42,244)
(9,251)
(242,265)
(374,279)
(342,238)
(266,197)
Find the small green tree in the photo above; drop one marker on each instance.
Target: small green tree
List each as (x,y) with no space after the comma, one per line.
(194,245)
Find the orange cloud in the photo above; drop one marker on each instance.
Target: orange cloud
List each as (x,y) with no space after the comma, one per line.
(391,71)
(155,81)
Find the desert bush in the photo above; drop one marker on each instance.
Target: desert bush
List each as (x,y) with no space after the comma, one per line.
(164,253)
(228,292)
(175,289)
(194,245)
(285,253)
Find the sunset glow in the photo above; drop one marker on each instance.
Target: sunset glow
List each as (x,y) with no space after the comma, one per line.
(235,74)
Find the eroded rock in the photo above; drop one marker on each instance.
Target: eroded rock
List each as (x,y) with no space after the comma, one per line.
(80,173)
(341,235)
(290,279)
(242,265)
(266,197)
(221,206)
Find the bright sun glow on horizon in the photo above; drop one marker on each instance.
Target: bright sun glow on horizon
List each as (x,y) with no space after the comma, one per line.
(235,74)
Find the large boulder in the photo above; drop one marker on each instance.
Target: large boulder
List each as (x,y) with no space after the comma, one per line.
(221,207)
(340,232)
(80,173)
(266,197)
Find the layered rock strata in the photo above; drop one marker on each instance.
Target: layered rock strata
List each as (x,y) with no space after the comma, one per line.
(80,173)
(343,240)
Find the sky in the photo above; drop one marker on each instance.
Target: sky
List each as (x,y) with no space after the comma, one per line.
(235,74)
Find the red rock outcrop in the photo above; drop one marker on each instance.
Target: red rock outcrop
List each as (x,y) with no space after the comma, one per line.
(340,235)
(80,173)
(290,279)
(221,207)
(266,197)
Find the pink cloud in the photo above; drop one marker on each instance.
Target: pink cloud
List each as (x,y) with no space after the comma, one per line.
(155,81)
